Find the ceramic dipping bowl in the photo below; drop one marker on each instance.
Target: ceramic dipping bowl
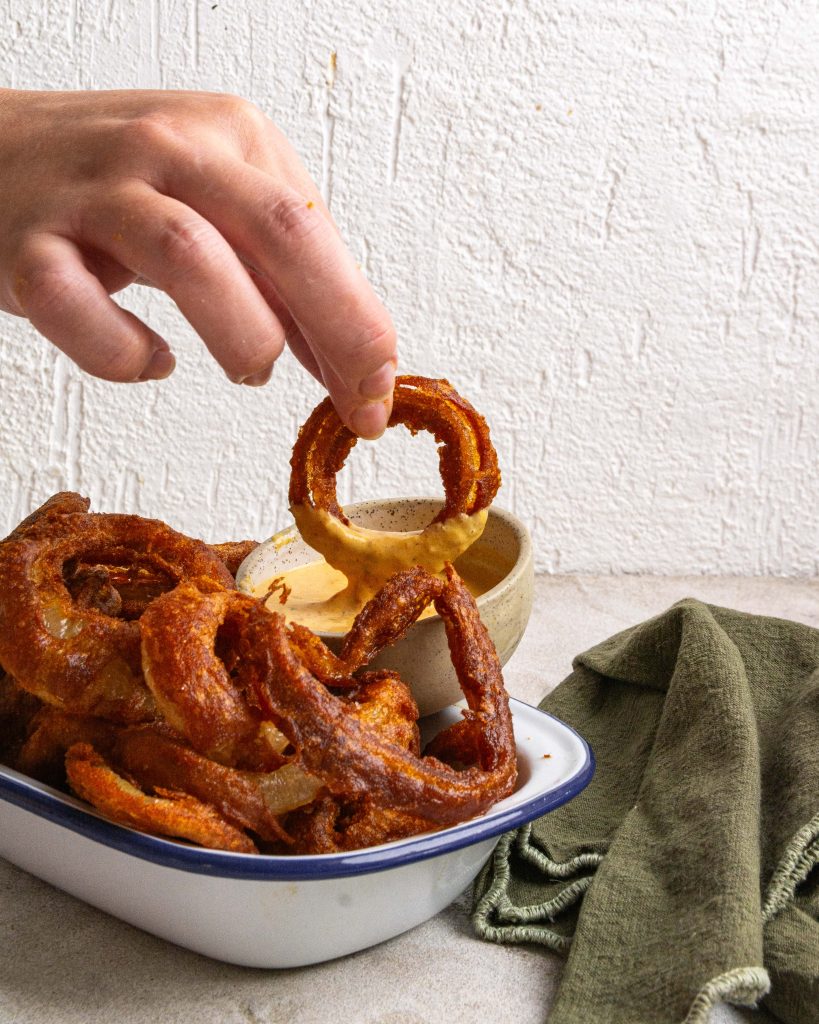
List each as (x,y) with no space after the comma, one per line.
(503,553)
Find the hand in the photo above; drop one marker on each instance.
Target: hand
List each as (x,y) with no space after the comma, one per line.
(198,194)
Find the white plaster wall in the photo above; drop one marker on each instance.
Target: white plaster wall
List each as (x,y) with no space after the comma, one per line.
(599,219)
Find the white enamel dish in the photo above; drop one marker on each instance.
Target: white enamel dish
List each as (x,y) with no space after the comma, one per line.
(263,911)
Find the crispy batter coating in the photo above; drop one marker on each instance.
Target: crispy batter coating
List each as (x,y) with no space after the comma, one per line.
(383,621)
(203,696)
(51,733)
(354,761)
(332,825)
(167,814)
(250,800)
(233,553)
(70,653)
(42,518)
(18,708)
(468,462)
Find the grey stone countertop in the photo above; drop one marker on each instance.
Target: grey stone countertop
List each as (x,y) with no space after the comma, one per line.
(63,961)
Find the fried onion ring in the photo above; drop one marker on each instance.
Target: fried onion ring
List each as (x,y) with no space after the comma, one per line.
(469,464)
(179,706)
(211,699)
(77,657)
(193,687)
(469,472)
(234,552)
(169,813)
(42,518)
(250,800)
(355,761)
(382,622)
(18,709)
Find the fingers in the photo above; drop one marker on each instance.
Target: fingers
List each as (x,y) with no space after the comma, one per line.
(295,340)
(67,304)
(170,245)
(288,239)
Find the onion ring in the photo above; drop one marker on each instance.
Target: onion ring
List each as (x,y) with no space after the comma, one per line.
(250,800)
(200,714)
(354,761)
(381,622)
(154,757)
(168,813)
(78,658)
(210,700)
(233,553)
(193,688)
(18,709)
(330,825)
(469,472)
(469,464)
(51,733)
(60,504)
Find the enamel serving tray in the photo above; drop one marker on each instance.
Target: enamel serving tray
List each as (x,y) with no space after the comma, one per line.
(264,911)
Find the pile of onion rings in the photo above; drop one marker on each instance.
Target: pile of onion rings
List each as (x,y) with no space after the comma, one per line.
(133,672)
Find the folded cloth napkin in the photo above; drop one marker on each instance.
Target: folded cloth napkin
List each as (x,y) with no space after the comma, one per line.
(687,873)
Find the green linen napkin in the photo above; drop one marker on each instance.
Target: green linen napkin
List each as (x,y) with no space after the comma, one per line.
(686,873)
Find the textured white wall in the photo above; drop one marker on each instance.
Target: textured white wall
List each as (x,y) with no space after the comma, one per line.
(599,219)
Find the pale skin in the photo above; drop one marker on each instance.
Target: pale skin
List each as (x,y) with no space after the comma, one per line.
(200,195)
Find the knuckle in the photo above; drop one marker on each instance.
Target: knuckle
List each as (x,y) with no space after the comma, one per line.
(151,133)
(375,341)
(183,243)
(243,120)
(237,108)
(291,219)
(44,287)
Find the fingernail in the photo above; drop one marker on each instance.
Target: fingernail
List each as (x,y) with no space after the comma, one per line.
(161,365)
(369,420)
(379,384)
(256,380)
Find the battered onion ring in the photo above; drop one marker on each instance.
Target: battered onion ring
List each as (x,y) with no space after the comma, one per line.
(250,800)
(354,761)
(213,704)
(193,688)
(380,623)
(468,462)
(42,518)
(77,658)
(234,552)
(154,757)
(330,825)
(51,733)
(18,709)
(167,814)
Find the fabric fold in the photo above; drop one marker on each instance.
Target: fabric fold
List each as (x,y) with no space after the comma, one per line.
(682,876)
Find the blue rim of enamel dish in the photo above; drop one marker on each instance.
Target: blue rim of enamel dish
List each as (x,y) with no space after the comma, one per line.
(63,810)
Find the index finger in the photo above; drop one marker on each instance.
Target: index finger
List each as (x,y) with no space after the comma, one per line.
(288,238)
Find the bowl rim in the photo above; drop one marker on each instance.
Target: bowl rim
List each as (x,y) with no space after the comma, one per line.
(522,564)
(64,810)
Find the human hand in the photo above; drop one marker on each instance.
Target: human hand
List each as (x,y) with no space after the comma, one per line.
(198,194)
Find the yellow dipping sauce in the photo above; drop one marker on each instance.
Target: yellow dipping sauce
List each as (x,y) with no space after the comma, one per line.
(317,595)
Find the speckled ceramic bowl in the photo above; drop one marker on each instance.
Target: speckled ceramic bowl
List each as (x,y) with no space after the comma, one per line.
(422,657)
